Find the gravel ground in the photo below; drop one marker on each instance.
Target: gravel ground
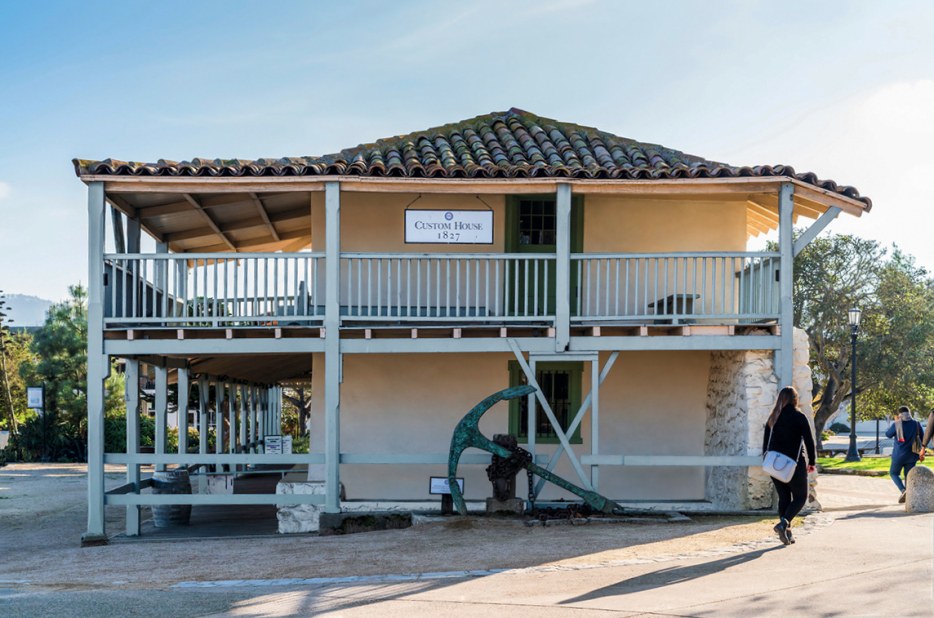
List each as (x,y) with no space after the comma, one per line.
(43,513)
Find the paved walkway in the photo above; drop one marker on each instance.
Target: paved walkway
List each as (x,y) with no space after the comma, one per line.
(849,561)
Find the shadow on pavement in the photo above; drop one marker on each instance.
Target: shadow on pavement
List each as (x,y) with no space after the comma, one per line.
(876,514)
(674,575)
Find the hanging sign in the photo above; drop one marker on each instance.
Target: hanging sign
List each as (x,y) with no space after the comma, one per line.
(35,397)
(449,227)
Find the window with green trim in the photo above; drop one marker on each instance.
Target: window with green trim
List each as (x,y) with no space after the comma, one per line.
(537,222)
(561,385)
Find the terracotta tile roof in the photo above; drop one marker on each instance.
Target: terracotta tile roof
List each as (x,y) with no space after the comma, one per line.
(512,144)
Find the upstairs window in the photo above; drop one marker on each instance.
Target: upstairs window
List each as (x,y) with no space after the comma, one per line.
(537,222)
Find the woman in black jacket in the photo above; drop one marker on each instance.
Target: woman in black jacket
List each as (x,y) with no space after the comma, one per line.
(785,431)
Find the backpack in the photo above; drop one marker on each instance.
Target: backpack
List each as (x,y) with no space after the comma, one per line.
(917,447)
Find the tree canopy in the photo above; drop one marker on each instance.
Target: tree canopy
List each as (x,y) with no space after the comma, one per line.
(895,340)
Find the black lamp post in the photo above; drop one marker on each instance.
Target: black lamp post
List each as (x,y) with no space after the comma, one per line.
(852,453)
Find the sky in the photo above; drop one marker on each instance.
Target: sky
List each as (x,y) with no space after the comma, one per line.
(842,89)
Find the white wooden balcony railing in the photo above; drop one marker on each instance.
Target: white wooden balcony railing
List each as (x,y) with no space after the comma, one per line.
(738,287)
(263,289)
(447,287)
(213,290)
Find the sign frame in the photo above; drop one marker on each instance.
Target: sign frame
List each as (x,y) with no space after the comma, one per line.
(35,397)
(438,485)
(443,213)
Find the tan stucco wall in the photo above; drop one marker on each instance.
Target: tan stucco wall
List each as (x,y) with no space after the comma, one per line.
(634,225)
(373,222)
(651,403)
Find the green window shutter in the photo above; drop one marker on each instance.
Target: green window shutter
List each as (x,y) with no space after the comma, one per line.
(561,384)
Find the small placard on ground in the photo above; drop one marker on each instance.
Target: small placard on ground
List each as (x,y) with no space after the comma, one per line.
(273,445)
(439,485)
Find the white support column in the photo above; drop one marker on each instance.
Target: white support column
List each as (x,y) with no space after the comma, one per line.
(160,280)
(595,420)
(161,409)
(132,441)
(98,366)
(116,219)
(279,410)
(182,414)
(244,400)
(132,235)
(262,413)
(220,390)
(251,438)
(563,268)
(203,400)
(532,414)
(232,418)
(785,357)
(332,350)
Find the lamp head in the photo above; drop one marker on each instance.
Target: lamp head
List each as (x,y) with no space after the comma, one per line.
(853,316)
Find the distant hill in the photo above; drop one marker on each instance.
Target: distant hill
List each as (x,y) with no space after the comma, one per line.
(25,310)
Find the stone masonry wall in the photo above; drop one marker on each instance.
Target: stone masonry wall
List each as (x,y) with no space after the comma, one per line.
(741,391)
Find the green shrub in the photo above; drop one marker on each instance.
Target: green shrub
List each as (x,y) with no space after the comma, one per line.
(300,444)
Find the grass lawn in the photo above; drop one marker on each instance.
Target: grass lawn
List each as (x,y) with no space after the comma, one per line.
(866,464)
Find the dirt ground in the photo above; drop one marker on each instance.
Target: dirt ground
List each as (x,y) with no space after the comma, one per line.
(43,514)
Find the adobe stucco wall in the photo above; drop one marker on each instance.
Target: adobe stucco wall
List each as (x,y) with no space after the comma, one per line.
(651,403)
(743,389)
(373,222)
(644,225)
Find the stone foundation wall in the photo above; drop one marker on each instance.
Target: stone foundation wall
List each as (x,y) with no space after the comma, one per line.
(742,388)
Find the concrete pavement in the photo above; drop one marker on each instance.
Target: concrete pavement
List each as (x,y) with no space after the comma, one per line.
(853,559)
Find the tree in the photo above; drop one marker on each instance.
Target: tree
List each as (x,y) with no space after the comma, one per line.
(61,367)
(897,360)
(296,410)
(895,343)
(14,352)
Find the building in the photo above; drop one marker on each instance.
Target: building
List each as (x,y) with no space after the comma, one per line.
(412,277)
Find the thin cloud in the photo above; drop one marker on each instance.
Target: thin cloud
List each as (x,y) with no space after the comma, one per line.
(5,190)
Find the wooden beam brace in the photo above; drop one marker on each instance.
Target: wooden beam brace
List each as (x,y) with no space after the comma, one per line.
(123,205)
(253,243)
(265,215)
(210,221)
(811,233)
(240,225)
(116,218)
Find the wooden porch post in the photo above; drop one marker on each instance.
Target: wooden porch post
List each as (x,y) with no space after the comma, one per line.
(161,409)
(563,268)
(332,350)
(220,389)
(784,356)
(182,383)
(232,418)
(262,412)
(98,366)
(203,387)
(132,235)
(131,392)
(243,413)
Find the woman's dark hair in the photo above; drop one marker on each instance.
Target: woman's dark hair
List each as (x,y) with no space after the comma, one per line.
(788,396)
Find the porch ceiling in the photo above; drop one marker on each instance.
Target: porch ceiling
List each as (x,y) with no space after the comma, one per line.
(215,222)
(255,368)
